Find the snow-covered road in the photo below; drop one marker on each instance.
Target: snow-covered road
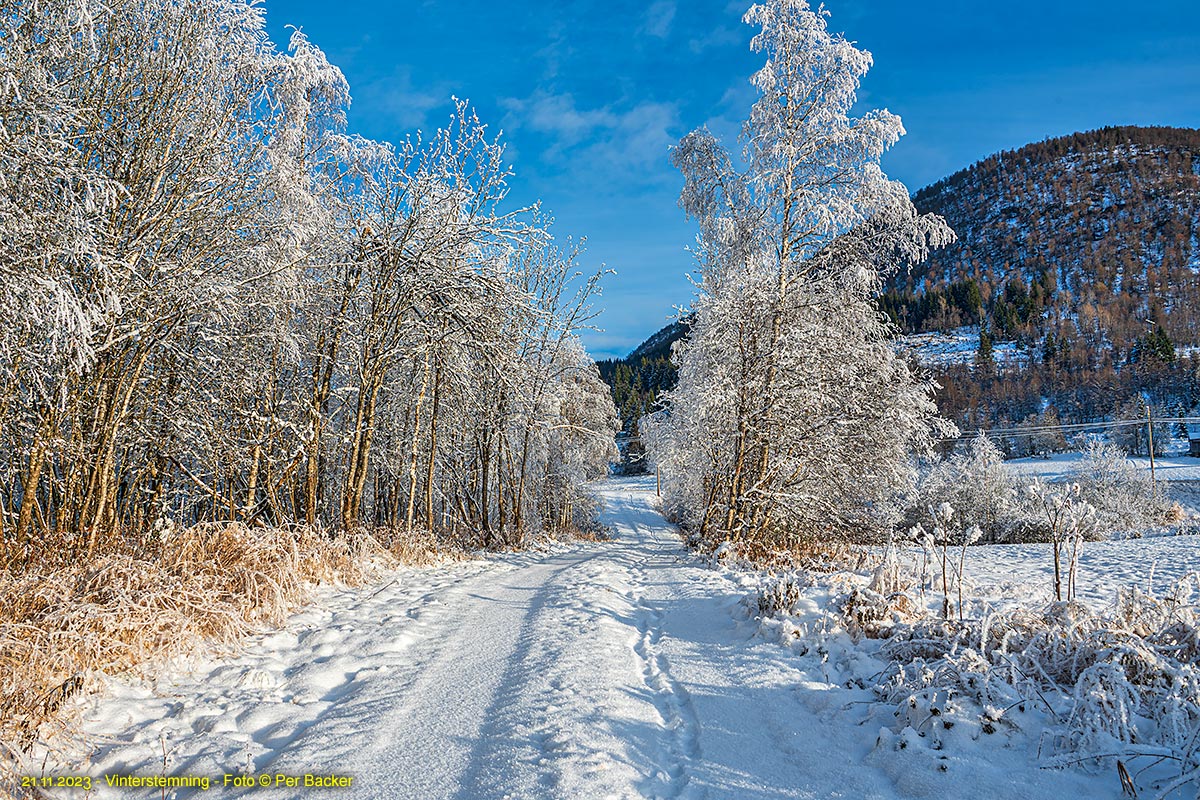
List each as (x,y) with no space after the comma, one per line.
(622,669)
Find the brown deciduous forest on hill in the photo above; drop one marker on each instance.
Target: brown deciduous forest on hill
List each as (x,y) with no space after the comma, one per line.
(1083,250)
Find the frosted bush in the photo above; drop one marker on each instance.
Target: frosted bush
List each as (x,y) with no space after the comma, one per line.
(983,492)
(986,493)
(1122,494)
(936,546)
(869,613)
(888,577)
(780,595)
(1120,685)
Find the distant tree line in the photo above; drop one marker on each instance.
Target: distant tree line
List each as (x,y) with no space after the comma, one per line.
(1046,388)
(636,384)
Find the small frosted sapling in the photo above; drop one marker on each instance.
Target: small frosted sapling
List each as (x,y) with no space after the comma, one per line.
(943,515)
(970,536)
(942,539)
(1069,520)
(924,539)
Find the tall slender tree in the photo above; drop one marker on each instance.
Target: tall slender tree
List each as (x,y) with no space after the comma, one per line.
(793,414)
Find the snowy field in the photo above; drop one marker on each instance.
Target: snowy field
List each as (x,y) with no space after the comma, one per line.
(1060,465)
(622,669)
(944,349)
(1007,575)
(1179,476)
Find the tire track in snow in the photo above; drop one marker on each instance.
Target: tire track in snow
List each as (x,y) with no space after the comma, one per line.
(681,727)
(517,752)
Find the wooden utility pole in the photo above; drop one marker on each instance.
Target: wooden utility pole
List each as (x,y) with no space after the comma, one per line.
(1150,438)
(657,481)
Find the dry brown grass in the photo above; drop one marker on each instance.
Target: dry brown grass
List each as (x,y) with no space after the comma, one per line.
(807,553)
(211,584)
(420,548)
(575,533)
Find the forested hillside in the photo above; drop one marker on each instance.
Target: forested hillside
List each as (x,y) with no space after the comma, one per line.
(1084,251)
(1085,237)
(637,380)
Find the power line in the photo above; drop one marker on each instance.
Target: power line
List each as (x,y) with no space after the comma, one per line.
(1072,427)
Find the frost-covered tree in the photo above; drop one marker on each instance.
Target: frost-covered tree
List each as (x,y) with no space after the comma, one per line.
(216,304)
(167,103)
(1122,494)
(793,414)
(976,483)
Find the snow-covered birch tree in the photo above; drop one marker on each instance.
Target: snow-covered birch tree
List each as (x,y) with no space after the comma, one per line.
(793,415)
(216,304)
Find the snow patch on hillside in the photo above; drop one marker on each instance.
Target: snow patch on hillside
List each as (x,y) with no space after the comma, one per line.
(956,347)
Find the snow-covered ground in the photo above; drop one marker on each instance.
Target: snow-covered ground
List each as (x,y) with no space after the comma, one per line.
(944,349)
(1060,465)
(622,669)
(1011,574)
(1178,476)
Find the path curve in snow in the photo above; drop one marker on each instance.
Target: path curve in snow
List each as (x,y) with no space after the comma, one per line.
(622,669)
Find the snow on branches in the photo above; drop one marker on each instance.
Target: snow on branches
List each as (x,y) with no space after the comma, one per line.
(793,415)
(218,305)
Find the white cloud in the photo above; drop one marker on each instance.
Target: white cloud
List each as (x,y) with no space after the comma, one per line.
(397,99)
(721,36)
(659,17)
(634,138)
(558,116)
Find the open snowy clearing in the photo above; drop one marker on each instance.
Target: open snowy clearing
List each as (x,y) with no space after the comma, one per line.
(958,346)
(1060,466)
(1178,476)
(1025,572)
(623,669)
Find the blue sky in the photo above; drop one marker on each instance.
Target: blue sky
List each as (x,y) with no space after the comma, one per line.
(590,94)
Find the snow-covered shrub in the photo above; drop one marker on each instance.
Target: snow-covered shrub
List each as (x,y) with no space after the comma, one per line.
(936,546)
(779,595)
(1122,494)
(1068,522)
(874,615)
(986,493)
(889,577)
(982,491)
(1125,684)
(1037,435)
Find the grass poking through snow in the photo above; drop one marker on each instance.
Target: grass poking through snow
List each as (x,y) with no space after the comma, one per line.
(63,623)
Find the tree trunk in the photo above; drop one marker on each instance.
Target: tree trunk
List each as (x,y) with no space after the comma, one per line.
(412,462)
(433,422)
(361,453)
(37,458)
